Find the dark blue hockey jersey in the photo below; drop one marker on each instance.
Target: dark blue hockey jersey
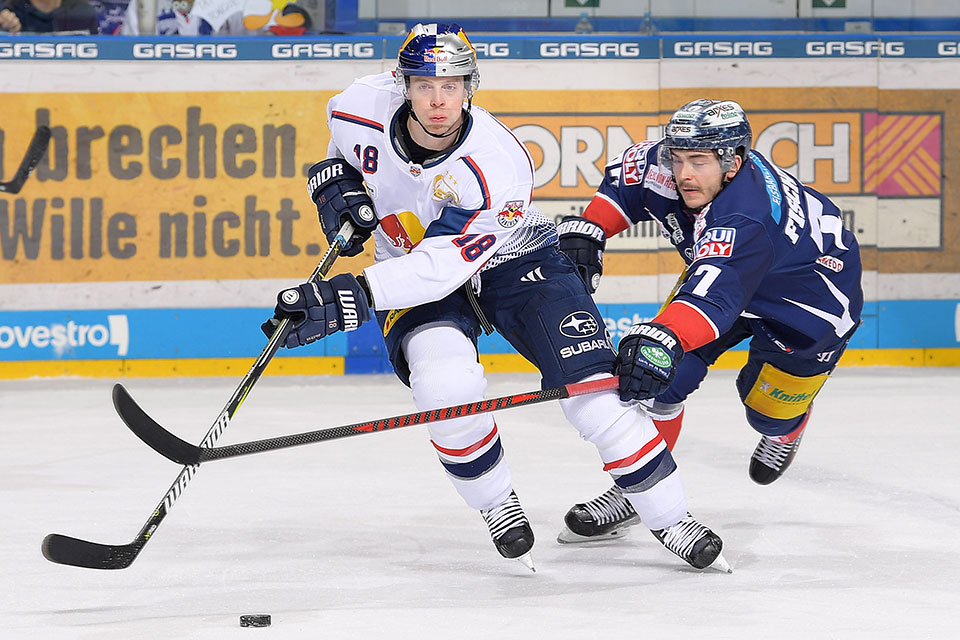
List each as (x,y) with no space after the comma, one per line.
(768,248)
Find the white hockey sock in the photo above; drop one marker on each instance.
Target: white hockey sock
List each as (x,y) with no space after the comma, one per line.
(662,505)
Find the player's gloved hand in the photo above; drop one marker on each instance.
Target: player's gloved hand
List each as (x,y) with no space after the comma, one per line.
(340,195)
(318,309)
(584,241)
(647,361)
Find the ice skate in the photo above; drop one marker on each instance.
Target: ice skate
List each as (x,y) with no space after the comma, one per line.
(774,454)
(606,517)
(510,530)
(695,543)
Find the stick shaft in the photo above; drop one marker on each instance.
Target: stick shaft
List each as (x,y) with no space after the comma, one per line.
(82,553)
(408,420)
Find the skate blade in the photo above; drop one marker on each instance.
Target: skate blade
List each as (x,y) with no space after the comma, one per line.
(721,565)
(569,537)
(527,561)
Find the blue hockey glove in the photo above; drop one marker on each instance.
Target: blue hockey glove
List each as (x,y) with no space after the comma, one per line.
(647,361)
(584,241)
(318,309)
(340,195)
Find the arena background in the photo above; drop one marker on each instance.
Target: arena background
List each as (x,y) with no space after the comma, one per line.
(172,205)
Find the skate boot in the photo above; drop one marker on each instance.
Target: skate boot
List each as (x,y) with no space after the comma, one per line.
(775,453)
(695,543)
(606,517)
(510,530)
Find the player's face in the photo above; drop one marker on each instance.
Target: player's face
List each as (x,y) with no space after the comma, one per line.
(698,175)
(438,102)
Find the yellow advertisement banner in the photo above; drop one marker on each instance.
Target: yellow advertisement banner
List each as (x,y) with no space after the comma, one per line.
(165,186)
(210,185)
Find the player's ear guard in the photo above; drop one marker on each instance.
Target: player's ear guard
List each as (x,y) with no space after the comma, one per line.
(340,195)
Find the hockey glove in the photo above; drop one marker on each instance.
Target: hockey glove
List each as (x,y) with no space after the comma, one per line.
(340,195)
(647,361)
(584,241)
(317,309)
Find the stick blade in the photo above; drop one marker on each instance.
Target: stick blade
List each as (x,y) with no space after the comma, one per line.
(38,147)
(148,430)
(88,555)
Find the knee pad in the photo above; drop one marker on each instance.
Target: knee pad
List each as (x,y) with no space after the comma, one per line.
(777,401)
(444,371)
(443,367)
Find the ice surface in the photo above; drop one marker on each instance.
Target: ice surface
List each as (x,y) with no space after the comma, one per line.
(364,537)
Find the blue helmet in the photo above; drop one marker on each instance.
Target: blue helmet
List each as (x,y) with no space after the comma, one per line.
(441,50)
(720,125)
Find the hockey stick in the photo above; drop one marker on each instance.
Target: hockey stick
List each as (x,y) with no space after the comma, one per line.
(673,292)
(38,147)
(183,452)
(81,553)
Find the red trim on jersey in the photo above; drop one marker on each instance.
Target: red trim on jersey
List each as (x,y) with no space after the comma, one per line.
(484,189)
(349,117)
(692,326)
(468,450)
(605,214)
(629,460)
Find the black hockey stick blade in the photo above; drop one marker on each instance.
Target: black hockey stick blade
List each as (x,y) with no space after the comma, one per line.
(89,555)
(172,447)
(81,553)
(38,147)
(148,430)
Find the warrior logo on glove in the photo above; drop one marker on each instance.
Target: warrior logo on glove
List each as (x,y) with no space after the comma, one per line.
(339,192)
(647,361)
(318,309)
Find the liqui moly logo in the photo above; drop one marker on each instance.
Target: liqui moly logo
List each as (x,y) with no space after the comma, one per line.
(715,243)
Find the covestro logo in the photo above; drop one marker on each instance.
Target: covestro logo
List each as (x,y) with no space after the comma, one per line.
(63,338)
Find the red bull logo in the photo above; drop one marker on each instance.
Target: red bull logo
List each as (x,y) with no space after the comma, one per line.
(437,54)
(403,230)
(510,214)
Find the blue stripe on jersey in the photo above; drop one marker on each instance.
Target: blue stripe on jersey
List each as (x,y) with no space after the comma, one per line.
(452,222)
(479,466)
(773,191)
(484,190)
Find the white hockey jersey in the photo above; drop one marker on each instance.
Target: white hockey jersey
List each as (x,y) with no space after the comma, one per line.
(442,222)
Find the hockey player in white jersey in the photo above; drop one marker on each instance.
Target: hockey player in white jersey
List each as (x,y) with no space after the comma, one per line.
(459,247)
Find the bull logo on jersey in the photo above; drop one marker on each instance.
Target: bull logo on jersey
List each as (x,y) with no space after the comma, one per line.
(403,230)
(579,324)
(511,213)
(444,188)
(715,243)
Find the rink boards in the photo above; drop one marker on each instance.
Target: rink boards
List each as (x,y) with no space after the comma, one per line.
(171,207)
(191,342)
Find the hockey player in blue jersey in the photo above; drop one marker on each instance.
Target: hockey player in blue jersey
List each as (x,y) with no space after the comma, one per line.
(767,259)
(458,245)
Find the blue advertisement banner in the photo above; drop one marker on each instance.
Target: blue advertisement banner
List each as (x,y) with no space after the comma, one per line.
(816,46)
(235,332)
(143,334)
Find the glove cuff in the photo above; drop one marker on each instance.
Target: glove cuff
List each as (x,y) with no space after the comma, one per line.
(581,227)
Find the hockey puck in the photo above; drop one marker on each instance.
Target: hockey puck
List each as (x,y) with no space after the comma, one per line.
(255,621)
